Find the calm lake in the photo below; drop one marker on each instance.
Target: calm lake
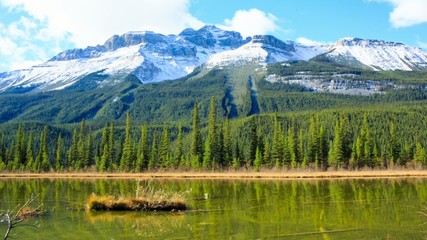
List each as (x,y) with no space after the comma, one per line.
(234,209)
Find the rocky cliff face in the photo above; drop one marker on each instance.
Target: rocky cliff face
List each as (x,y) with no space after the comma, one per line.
(153,57)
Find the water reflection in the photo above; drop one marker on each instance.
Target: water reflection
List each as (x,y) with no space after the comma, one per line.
(317,209)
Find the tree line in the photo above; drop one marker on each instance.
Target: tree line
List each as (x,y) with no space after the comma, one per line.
(331,140)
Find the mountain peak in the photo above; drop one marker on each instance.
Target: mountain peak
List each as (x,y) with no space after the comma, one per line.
(352,41)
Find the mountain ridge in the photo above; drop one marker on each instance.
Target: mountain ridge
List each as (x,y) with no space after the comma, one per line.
(153,57)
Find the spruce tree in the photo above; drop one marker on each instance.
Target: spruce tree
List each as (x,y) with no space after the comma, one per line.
(277,146)
(394,143)
(143,151)
(153,162)
(126,158)
(81,147)
(420,154)
(312,146)
(323,148)
(30,152)
(20,149)
(253,144)
(228,149)
(3,149)
(112,154)
(258,159)
(43,157)
(196,140)
(72,154)
(209,158)
(58,153)
(164,148)
(90,155)
(179,147)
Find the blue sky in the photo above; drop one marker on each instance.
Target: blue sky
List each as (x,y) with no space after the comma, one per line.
(33,31)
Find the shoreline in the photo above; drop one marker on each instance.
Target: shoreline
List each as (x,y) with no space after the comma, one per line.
(226,175)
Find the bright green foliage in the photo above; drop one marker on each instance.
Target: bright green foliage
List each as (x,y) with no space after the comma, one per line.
(126,159)
(341,148)
(323,148)
(81,147)
(43,156)
(73,151)
(394,144)
(210,157)
(227,146)
(58,153)
(258,160)
(179,153)
(277,147)
(164,149)
(420,154)
(89,156)
(153,162)
(20,148)
(196,140)
(112,148)
(253,142)
(313,141)
(143,151)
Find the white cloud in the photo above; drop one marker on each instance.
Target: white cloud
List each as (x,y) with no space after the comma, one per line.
(92,22)
(252,22)
(407,12)
(308,42)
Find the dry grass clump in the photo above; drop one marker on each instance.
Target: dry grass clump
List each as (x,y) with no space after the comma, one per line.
(148,198)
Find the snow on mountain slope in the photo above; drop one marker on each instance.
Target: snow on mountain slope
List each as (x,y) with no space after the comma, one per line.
(149,56)
(379,55)
(153,57)
(263,50)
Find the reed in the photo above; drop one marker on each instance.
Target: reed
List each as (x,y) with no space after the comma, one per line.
(148,198)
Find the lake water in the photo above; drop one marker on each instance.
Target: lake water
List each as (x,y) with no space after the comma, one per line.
(234,209)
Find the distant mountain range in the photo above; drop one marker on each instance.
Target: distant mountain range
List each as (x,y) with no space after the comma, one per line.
(153,57)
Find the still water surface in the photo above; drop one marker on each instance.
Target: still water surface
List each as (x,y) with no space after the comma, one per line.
(234,209)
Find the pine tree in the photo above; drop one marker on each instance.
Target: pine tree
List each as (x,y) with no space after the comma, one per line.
(394,143)
(209,158)
(112,154)
(72,154)
(143,151)
(58,153)
(258,159)
(30,152)
(164,148)
(43,157)
(81,147)
(105,157)
(420,154)
(253,144)
(90,155)
(3,150)
(228,149)
(312,146)
(267,154)
(152,163)
(323,148)
(277,146)
(126,159)
(179,147)
(20,148)
(196,141)
(293,148)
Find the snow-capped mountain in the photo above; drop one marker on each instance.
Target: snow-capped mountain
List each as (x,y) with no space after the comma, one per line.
(378,54)
(149,56)
(153,57)
(264,49)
